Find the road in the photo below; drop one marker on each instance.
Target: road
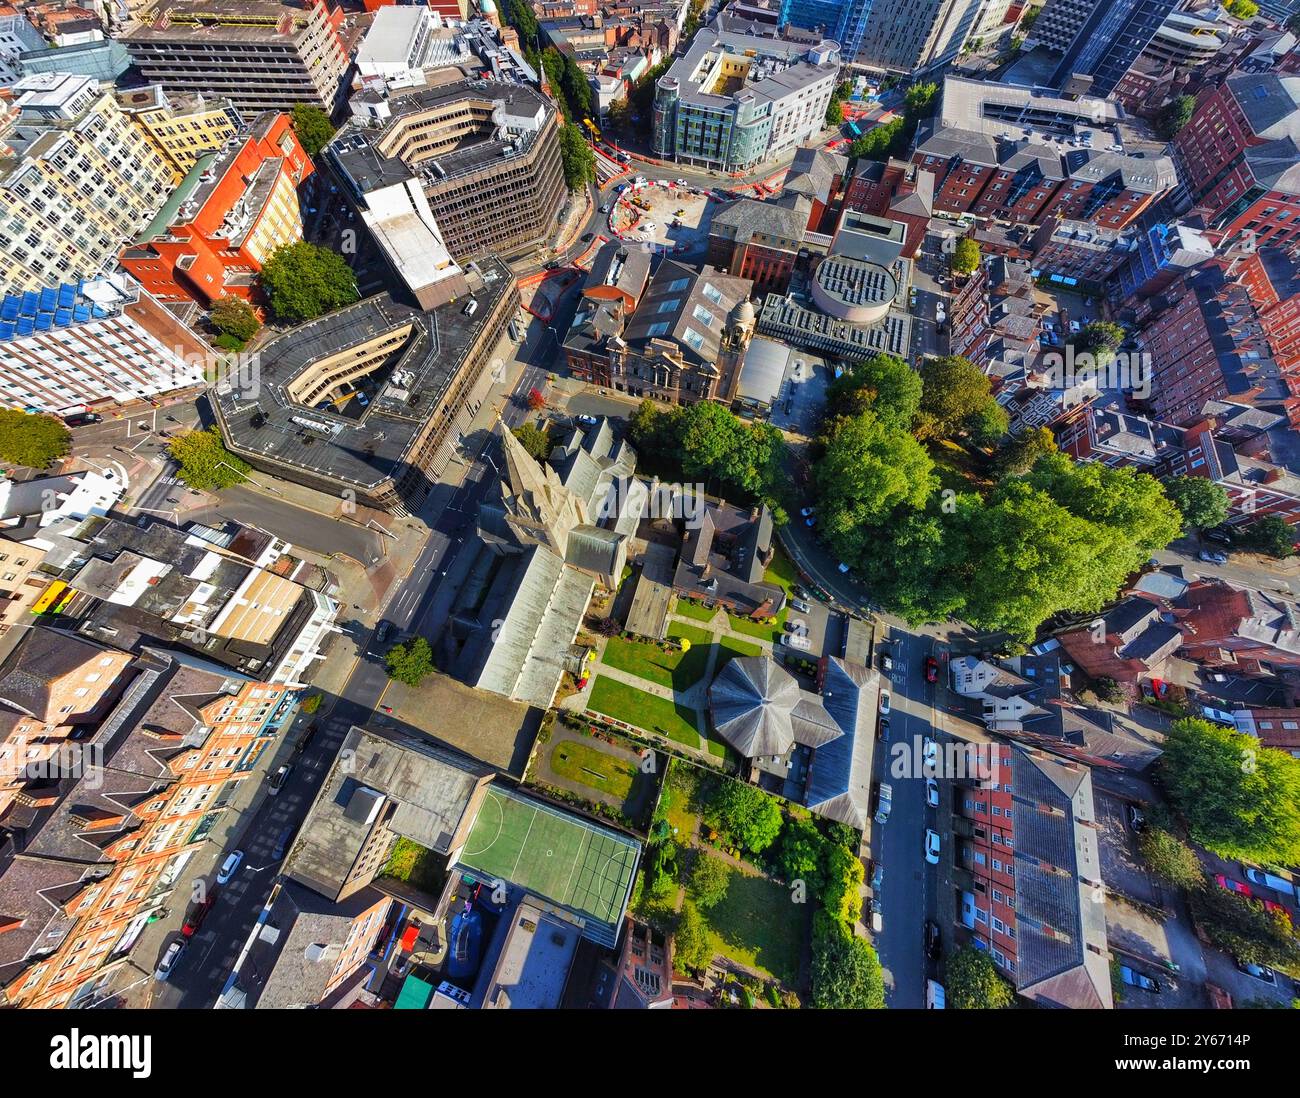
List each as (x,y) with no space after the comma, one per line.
(909,888)
(203,970)
(316,532)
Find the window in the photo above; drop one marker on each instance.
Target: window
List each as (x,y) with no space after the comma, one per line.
(657,329)
(693,339)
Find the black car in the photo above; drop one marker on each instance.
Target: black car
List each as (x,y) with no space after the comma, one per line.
(801,592)
(384,631)
(305,738)
(933,940)
(587,236)
(82,419)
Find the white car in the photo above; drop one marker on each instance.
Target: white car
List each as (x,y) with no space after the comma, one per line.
(230,866)
(932,847)
(929,752)
(169,959)
(932,792)
(884,701)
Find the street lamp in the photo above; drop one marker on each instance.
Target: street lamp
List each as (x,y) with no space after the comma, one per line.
(250,479)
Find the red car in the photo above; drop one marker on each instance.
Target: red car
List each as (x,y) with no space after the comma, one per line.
(1277,909)
(195,918)
(1232,886)
(931,669)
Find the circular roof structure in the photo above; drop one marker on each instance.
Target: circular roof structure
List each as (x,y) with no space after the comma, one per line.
(751,702)
(856,290)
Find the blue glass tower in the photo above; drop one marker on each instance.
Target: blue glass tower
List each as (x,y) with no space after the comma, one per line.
(843,20)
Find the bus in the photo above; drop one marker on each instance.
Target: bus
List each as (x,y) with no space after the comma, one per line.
(853,129)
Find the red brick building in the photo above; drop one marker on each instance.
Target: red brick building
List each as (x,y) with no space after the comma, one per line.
(1029,874)
(1239,158)
(226,218)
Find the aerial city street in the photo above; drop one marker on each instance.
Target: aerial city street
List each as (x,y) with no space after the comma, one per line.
(798,501)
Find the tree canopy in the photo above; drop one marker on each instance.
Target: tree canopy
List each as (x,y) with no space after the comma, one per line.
(1246,929)
(846,973)
(205,462)
(32,440)
(1202,503)
(1240,799)
(1171,859)
(1021,451)
(303,281)
(576,157)
(972,982)
(710,878)
(1242,9)
(1101,339)
(1177,113)
(957,401)
(313,127)
(746,814)
(883,385)
(867,471)
(691,948)
(533,439)
(410,662)
(233,316)
(965,256)
(1269,535)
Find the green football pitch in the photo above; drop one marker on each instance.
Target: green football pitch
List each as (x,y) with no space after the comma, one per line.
(559,857)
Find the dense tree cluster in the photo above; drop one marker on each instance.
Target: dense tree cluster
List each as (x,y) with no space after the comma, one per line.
(32,440)
(1240,799)
(205,462)
(1037,534)
(972,982)
(410,662)
(303,281)
(312,127)
(706,443)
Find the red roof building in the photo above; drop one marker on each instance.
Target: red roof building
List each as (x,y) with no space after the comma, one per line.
(227,217)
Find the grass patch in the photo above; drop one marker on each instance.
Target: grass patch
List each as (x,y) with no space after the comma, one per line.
(646,660)
(693,610)
(596,769)
(756,925)
(416,865)
(782,572)
(758,629)
(636,707)
(684,785)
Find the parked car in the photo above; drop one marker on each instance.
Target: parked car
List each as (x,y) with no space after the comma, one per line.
(806,511)
(882,728)
(884,701)
(82,419)
(587,421)
(282,843)
(800,591)
(605,208)
(195,918)
(1136,820)
(933,995)
(877,917)
(230,866)
(810,521)
(796,640)
(1270,880)
(1138,979)
(1229,885)
(886,802)
(877,878)
(1223,537)
(933,940)
(800,605)
(587,237)
(842,568)
(932,792)
(886,662)
(1260,972)
(931,669)
(931,846)
(929,753)
(308,734)
(1212,556)
(279,778)
(169,959)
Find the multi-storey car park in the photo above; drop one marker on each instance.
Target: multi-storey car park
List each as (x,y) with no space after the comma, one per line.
(367,403)
(483,154)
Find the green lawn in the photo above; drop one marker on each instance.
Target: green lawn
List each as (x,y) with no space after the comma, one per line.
(683,784)
(757,925)
(758,628)
(782,572)
(586,764)
(646,660)
(692,610)
(636,707)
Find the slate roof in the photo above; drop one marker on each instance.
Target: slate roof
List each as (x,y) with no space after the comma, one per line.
(745,218)
(758,707)
(680,307)
(839,776)
(1062,957)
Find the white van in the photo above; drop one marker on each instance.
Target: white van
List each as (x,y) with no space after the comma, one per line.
(933,995)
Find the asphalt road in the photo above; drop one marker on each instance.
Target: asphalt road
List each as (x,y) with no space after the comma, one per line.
(319,533)
(910,885)
(204,969)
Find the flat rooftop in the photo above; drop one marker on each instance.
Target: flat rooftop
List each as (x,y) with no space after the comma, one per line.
(267,423)
(557,856)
